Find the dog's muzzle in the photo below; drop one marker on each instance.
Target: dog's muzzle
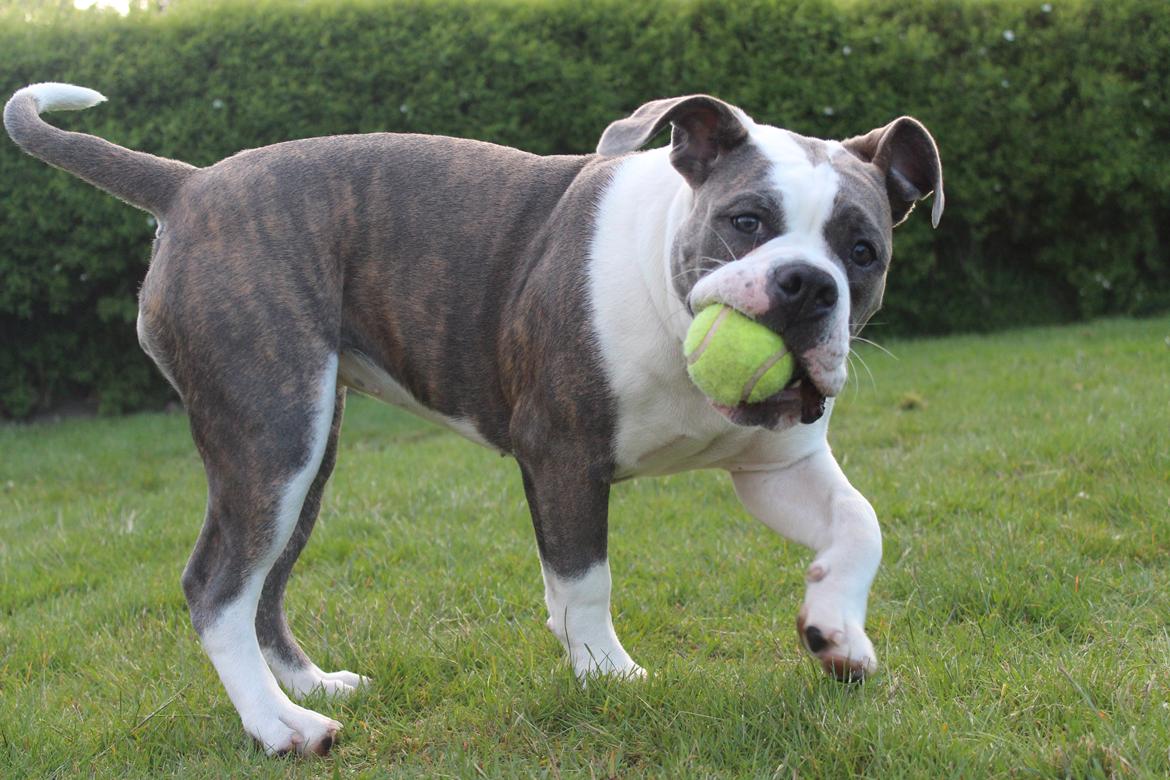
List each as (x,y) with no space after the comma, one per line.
(801,303)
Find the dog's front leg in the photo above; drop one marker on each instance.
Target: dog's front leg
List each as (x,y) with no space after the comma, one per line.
(570,515)
(811,502)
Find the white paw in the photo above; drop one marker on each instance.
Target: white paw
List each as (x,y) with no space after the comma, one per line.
(350,680)
(312,680)
(292,729)
(301,681)
(578,609)
(587,664)
(604,656)
(841,645)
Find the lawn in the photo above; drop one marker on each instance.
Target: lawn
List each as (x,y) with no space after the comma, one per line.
(1023,482)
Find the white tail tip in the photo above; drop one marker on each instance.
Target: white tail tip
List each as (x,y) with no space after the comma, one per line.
(52,96)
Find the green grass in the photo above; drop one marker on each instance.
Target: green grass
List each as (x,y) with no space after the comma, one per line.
(1023,482)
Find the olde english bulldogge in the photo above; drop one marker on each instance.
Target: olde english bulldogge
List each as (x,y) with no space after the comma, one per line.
(535,305)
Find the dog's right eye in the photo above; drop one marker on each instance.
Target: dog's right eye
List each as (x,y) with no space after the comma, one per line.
(746,223)
(863,254)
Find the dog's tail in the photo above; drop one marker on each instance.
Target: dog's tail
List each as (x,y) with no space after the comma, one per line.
(140,179)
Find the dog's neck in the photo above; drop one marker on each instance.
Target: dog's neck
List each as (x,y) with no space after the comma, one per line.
(654,203)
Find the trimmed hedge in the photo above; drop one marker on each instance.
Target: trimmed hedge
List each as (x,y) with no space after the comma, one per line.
(1053,120)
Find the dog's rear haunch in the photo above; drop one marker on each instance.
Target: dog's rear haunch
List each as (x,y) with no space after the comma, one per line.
(535,305)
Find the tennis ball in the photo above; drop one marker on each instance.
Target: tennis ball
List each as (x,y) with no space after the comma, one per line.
(734,359)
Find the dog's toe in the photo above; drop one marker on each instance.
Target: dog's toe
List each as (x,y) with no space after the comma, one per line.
(312,680)
(335,688)
(618,666)
(846,654)
(844,669)
(317,734)
(322,746)
(348,679)
(814,639)
(294,730)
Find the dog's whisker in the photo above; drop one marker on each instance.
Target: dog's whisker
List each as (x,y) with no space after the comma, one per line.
(851,375)
(865,366)
(875,345)
(726,246)
(699,272)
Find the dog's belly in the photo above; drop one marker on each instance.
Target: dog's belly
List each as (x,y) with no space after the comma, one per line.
(356,370)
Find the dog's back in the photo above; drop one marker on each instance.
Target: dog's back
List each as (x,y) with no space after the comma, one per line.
(392,249)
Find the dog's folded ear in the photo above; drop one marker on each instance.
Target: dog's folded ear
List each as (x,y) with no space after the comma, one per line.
(703,128)
(905,151)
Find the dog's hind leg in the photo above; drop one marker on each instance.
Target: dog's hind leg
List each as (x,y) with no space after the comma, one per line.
(263,448)
(292,667)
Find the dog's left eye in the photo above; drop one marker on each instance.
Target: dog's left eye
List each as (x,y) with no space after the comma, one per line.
(863,254)
(746,223)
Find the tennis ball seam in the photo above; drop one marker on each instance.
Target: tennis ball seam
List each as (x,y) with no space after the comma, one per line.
(724,346)
(697,352)
(763,368)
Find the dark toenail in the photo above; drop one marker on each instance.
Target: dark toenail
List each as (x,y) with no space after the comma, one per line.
(844,670)
(816,640)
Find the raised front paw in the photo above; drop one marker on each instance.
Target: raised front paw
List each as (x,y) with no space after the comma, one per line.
(841,646)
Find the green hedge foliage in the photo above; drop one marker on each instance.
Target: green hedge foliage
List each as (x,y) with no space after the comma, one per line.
(1052,118)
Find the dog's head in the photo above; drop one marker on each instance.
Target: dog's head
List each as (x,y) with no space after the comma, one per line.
(792,231)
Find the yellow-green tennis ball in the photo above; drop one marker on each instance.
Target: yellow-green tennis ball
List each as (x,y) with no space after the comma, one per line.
(734,359)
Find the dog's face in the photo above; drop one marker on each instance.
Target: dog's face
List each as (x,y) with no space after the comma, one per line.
(796,232)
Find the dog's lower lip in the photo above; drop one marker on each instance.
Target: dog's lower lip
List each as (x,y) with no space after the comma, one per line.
(799,399)
(812,403)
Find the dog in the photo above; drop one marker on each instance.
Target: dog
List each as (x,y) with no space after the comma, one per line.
(535,305)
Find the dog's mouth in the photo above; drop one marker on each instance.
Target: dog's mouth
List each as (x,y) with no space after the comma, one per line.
(799,401)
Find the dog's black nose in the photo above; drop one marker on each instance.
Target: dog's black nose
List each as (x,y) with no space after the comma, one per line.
(807,292)
(799,294)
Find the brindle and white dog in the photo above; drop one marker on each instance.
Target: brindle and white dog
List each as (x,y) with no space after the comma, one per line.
(535,305)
